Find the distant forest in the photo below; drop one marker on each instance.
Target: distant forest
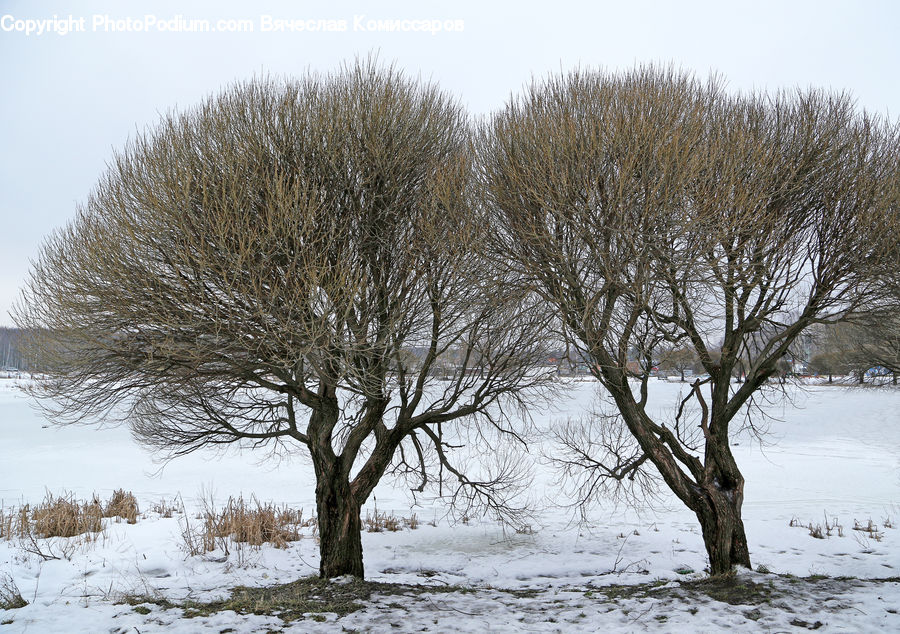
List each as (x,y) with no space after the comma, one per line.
(10,355)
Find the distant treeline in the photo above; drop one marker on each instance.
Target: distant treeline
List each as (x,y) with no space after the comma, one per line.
(10,349)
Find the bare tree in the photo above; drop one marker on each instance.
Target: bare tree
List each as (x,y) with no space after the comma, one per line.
(286,266)
(652,210)
(678,359)
(871,340)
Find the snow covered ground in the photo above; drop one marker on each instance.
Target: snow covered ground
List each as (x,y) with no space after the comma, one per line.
(832,457)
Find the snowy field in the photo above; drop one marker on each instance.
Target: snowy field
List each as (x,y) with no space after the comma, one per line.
(831,457)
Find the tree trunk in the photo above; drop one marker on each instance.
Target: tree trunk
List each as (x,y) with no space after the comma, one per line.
(340,542)
(723,529)
(714,487)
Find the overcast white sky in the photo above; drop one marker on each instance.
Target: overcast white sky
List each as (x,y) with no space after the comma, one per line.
(67,101)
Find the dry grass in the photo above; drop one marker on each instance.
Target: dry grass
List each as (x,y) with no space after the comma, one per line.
(870,528)
(10,597)
(242,522)
(64,516)
(167,509)
(60,525)
(375,522)
(122,504)
(256,524)
(14,522)
(820,531)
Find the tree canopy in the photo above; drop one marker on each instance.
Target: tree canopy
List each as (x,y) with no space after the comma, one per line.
(287,265)
(654,210)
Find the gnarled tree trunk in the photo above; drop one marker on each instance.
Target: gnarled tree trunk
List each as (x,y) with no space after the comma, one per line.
(340,541)
(713,487)
(719,512)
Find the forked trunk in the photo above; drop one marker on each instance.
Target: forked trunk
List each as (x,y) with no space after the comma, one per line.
(723,529)
(340,542)
(713,488)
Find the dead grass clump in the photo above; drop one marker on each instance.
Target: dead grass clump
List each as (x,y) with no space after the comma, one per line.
(243,522)
(64,516)
(14,522)
(870,528)
(46,529)
(166,509)
(256,524)
(376,522)
(10,597)
(122,504)
(820,531)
